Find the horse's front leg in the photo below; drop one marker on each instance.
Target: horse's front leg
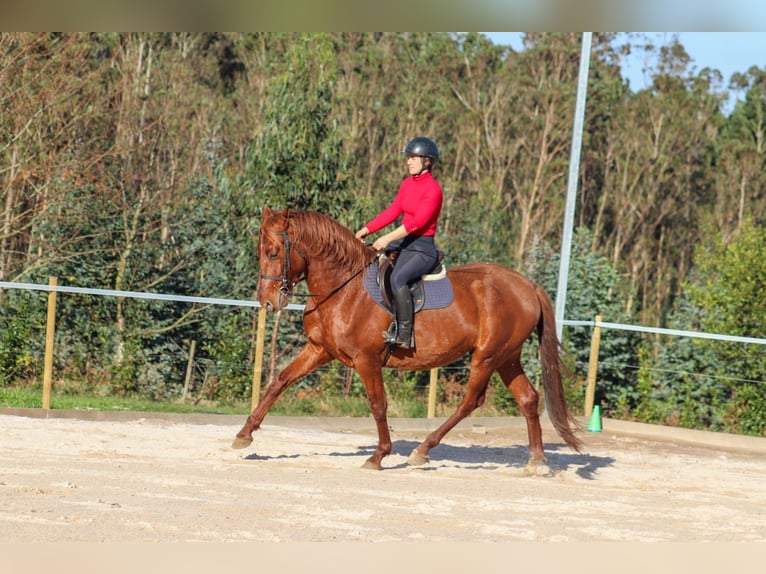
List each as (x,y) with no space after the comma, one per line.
(372,378)
(310,357)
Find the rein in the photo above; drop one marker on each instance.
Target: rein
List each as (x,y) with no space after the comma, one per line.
(286,287)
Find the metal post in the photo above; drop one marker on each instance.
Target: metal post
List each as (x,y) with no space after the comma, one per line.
(574,169)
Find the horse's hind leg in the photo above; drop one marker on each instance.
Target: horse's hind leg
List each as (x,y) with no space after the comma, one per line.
(528,401)
(475,394)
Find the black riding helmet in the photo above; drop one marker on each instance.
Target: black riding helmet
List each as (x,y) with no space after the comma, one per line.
(424,147)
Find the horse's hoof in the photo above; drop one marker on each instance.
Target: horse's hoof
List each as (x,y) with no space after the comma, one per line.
(537,468)
(372,465)
(242,442)
(417,459)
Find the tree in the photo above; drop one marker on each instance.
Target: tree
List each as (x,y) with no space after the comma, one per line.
(733,299)
(544,89)
(656,179)
(740,177)
(297,161)
(726,296)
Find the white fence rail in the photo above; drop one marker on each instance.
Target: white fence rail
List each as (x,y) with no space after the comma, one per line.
(295,307)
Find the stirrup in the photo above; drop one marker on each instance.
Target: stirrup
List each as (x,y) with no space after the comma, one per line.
(389,336)
(393,339)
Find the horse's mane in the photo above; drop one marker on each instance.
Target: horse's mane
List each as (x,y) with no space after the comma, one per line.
(321,236)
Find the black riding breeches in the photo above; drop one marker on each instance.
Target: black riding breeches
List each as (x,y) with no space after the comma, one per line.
(417,257)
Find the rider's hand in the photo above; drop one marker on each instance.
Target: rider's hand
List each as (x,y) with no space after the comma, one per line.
(381,243)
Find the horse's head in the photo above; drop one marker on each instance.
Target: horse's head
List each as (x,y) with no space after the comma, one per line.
(282,264)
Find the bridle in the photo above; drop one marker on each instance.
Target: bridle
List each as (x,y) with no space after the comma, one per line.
(286,287)
(286,284)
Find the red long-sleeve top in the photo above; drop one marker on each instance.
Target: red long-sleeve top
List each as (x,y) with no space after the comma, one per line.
(420,200)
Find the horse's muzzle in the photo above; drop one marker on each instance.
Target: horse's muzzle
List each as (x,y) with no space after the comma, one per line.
(272,304)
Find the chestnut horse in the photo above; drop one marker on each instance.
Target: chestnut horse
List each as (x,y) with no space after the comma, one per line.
(495,310)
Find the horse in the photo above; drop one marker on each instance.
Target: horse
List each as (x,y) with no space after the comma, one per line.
(494,311)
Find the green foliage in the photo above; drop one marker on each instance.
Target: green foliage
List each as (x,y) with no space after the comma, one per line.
(22,335)
(297,161)
(502,399)
(145,375)
(228,357)
(650,406)
(728,292)
(686,389)
(479,231)
(407,392)
(746,412)
(730,285)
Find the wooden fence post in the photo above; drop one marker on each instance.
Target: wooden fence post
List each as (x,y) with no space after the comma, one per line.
(49,336)
(432,393)
(189,368)
(590,390)
(258,362)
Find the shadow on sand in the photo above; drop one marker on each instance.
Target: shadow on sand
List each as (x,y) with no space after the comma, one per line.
(559,458)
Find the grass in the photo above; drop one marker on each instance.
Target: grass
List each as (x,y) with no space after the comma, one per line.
(294,402)
(32,398)
(286,406)
(290,404)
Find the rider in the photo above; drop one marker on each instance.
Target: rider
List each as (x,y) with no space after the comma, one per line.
(419,199)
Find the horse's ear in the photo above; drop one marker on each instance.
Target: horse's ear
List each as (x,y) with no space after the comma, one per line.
(266,212)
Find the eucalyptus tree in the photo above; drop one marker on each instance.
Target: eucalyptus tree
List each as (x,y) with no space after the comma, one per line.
(544,84)
(656,179)
(54,137)
(297,160)
(51,134)
(740,175)
(367,98)
(479,149)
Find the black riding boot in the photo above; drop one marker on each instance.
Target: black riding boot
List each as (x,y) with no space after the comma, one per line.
(400,333)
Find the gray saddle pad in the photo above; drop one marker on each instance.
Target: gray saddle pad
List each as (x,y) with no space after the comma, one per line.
(436,294)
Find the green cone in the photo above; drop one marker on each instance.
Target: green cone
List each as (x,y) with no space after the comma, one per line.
(595,420)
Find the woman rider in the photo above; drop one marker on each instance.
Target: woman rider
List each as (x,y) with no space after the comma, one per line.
(419,200)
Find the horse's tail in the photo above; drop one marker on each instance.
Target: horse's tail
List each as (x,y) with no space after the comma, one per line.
(550,357)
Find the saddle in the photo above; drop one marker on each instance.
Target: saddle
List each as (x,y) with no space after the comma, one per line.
(385,266)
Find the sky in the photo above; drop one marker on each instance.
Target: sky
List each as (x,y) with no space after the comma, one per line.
(728,52)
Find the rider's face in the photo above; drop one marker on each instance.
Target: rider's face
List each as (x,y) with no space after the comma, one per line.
(414,164)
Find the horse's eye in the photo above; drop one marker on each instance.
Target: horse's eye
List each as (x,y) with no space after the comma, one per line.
(272,255)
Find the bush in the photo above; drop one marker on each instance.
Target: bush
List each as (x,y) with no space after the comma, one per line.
(21,336)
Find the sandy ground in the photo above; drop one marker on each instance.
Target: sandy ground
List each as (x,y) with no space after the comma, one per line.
(137,478)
